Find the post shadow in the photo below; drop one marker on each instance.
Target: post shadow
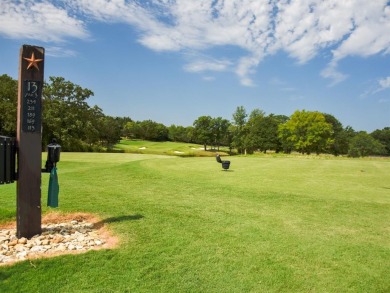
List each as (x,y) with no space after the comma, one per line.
(119,219)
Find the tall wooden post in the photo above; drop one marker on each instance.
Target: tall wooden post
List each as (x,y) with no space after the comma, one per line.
(29,141)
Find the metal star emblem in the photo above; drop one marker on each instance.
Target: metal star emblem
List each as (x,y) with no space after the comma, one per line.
(32,61)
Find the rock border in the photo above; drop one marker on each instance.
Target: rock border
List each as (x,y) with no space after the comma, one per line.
(61,234)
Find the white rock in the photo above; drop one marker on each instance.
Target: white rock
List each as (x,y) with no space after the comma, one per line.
(22,254)
(54,238)
(19,247)
(37,248)
(22,240)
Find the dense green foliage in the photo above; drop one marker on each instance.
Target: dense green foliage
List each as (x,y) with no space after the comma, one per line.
(383,136)
(77,126)
(147,130)
(307,132)
(273,223)
(66,116)
(364,144)
(238,129)
(211,131)
(262,132)
(8,105)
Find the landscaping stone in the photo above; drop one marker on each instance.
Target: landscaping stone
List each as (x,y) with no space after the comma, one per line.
(55,238)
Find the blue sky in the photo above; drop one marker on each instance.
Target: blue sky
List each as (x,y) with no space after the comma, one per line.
(173,61)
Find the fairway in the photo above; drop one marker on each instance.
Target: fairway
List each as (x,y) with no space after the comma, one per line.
(269,224)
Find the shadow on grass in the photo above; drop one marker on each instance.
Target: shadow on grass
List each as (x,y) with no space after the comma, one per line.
(119,219)
(4,276)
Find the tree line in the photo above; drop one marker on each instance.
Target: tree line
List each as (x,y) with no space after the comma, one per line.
(77,126)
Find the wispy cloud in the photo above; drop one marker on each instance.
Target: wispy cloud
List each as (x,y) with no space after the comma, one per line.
(377,86)
(208,65)
(260,28)
(282,85)
(208,78)
(382,84)
(333,74)
(60,52)
(385,83)
(296,98)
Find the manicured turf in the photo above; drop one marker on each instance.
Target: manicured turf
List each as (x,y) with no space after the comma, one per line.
(166,148)
(269,224)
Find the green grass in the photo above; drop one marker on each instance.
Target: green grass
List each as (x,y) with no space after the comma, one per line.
(269,224)
(165,148)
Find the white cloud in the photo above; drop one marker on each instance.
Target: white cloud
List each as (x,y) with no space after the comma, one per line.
(161,42)
(302,28)
(246,66)
(208,65)
(208,78)
(378,86)
(332,73)
(38,20)
(385,82)
(59,52)
(193,25)
(370,35)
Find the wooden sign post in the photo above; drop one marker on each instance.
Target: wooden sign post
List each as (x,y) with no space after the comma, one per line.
(29,141)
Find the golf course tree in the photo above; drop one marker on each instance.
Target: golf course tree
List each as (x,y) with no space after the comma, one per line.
(383,136)
(203,131)
(340,137)
(363,145)
(220,132)
(239,129)
(307,132)
(68,117)
(253,128)
(131,130)
(146,129)
(211,131)
(179,133)
(121,122)
(280,119)
(154,131)
(110,131)
(262,132)
(8,105)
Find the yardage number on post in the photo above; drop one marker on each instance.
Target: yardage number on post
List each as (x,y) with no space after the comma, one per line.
(32,106)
